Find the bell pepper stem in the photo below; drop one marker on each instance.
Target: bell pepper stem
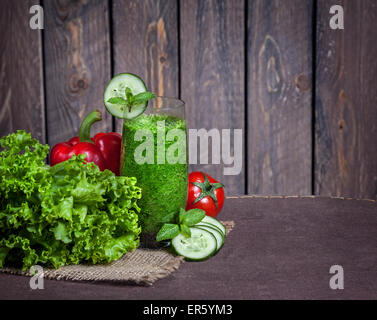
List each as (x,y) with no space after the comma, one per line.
(89,120)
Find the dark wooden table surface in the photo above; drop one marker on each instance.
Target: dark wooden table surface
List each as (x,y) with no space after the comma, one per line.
(280,248)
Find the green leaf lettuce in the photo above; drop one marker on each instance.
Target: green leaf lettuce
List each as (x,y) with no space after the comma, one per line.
(66,214)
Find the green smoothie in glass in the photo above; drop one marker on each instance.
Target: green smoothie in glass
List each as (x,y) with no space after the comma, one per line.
(163,181)
(154,150)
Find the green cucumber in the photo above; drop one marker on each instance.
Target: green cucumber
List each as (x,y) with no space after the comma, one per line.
(220,237)
(201,223)
(215,222)
(200,246)
(117,88)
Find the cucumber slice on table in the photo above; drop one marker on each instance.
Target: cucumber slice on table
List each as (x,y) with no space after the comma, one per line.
(220,237)
(200,246)
(117,88)
(215,222)
(210,225)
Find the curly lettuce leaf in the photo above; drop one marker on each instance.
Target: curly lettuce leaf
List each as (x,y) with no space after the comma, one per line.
(66,214)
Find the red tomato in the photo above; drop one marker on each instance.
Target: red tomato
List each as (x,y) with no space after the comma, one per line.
(205,193)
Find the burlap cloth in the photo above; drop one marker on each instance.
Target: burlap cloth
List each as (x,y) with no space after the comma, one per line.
(140,267)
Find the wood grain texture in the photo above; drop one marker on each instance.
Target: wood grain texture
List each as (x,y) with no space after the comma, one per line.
(77,64)
(279,96)
(212,74)
(346,102)
(145,42)
(21,76)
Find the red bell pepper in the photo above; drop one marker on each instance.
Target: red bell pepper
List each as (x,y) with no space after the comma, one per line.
(103,149)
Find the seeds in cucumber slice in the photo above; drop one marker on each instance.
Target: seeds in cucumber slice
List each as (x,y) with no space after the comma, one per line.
(215,222)
(200,246)
(220,238)
(117,88)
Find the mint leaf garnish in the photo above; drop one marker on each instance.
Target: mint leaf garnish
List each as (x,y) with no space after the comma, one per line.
(131,99)
(185,230)
(117,100)
(193,217)
(186,220)
(182,213)
(143,97)
(168,231)
(129,96)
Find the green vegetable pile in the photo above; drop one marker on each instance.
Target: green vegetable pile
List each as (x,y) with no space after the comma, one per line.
(66,214)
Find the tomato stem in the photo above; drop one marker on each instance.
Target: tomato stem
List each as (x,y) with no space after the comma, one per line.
(208,189)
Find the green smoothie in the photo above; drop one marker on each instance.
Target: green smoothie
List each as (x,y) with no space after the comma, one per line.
(163,183)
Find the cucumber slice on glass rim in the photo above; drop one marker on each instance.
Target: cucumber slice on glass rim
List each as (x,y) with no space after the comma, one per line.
(117,89)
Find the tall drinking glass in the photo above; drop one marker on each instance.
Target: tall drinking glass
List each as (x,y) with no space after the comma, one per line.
(154,150)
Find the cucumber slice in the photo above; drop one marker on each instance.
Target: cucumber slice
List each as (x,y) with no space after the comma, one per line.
(201,223)
(220,238)
(200,246)
(117,88)
(215,222)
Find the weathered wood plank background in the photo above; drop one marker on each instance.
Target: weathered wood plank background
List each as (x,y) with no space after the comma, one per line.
(303,94)
(346,102)
(279,96)
(77,65)
(145,42)
(21,71)
(212,72)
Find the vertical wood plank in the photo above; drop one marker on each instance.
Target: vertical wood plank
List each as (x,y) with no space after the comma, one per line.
(346,102)
(21,75)
(212,73)
(78,66)
(145,42)
(279,96)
